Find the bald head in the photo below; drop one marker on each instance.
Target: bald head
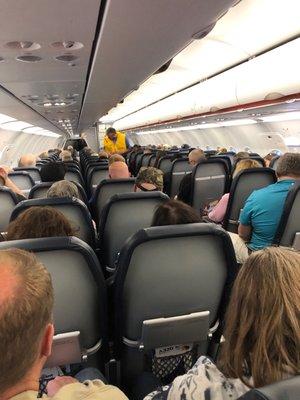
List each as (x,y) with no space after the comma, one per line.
(118,170)
(195,156)
(27,160)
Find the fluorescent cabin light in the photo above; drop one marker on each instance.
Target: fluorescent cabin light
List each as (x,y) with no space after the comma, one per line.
(289,116)
(292,141)
(5,118)
(33,129)
(16,125)
(44,132)
(237,122)
(36,130)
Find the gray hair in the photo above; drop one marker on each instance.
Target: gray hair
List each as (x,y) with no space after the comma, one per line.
(63,189)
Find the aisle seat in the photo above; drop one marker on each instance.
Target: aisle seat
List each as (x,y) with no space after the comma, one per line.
(79,290)
(209,182)
(242,186)
(122,216)
(172,286)
(73,209)
(288,233)
(105,190)
(8,201)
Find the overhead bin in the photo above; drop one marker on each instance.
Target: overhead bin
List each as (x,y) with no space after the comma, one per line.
(276,71)
(136,38)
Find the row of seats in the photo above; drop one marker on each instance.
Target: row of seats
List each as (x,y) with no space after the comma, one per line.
(196,288)
(135,211)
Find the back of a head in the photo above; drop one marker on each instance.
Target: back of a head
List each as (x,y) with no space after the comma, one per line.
(262,328)
(103,155)
(27,160)
(174,212)
(196,155)
(118,170)
(222,150)
(66,155)
(150,176)
(26,309)
(289,166)
(115,157)
(240,155)
(38,222)
(246,163)
(44,154)
(63,189)
(53,172)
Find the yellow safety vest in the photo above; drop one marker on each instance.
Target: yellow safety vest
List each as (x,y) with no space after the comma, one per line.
(113,147)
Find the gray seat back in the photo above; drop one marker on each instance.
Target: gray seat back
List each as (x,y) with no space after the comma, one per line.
(40,190)
(165,164)
(73,209)
(32,171)
(288,233)
(157,277)
(96,177)
(179,169)
(287,389)
(209,182)
(145,159)
(73,176)
(242,186)
(122,216)
(151,161)
(8,201)
(23,180)
(79,285)
(108,188)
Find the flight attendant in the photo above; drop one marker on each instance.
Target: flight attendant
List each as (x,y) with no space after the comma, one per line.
(115,142)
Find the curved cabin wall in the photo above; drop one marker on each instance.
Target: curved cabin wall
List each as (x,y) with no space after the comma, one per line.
(261,137)
(14,144)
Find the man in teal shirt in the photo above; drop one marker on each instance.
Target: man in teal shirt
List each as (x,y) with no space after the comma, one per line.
(262,211)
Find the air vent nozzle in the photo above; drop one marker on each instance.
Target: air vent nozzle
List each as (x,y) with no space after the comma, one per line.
(66,58)
(29,58)
(67,45)
(25,45)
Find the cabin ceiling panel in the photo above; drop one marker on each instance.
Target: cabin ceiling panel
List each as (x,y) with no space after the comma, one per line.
(136,38)
(39,31)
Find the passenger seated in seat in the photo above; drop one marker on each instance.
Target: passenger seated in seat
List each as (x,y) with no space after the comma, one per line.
(39,222)
(118,170)
(262,334)
(63,189)
(149,179)
(65,156)
(115,157)
(26,334)
(53,172)
(6,182)
(217,213)
(103,155)
(262,211)
(27,160)
(174,212)
(185,188)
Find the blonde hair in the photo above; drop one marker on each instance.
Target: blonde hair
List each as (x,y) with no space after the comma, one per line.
(116,157)
(262,329)
(24,314)
(245,164)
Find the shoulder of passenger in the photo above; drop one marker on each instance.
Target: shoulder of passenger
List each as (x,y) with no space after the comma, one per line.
(90,390)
